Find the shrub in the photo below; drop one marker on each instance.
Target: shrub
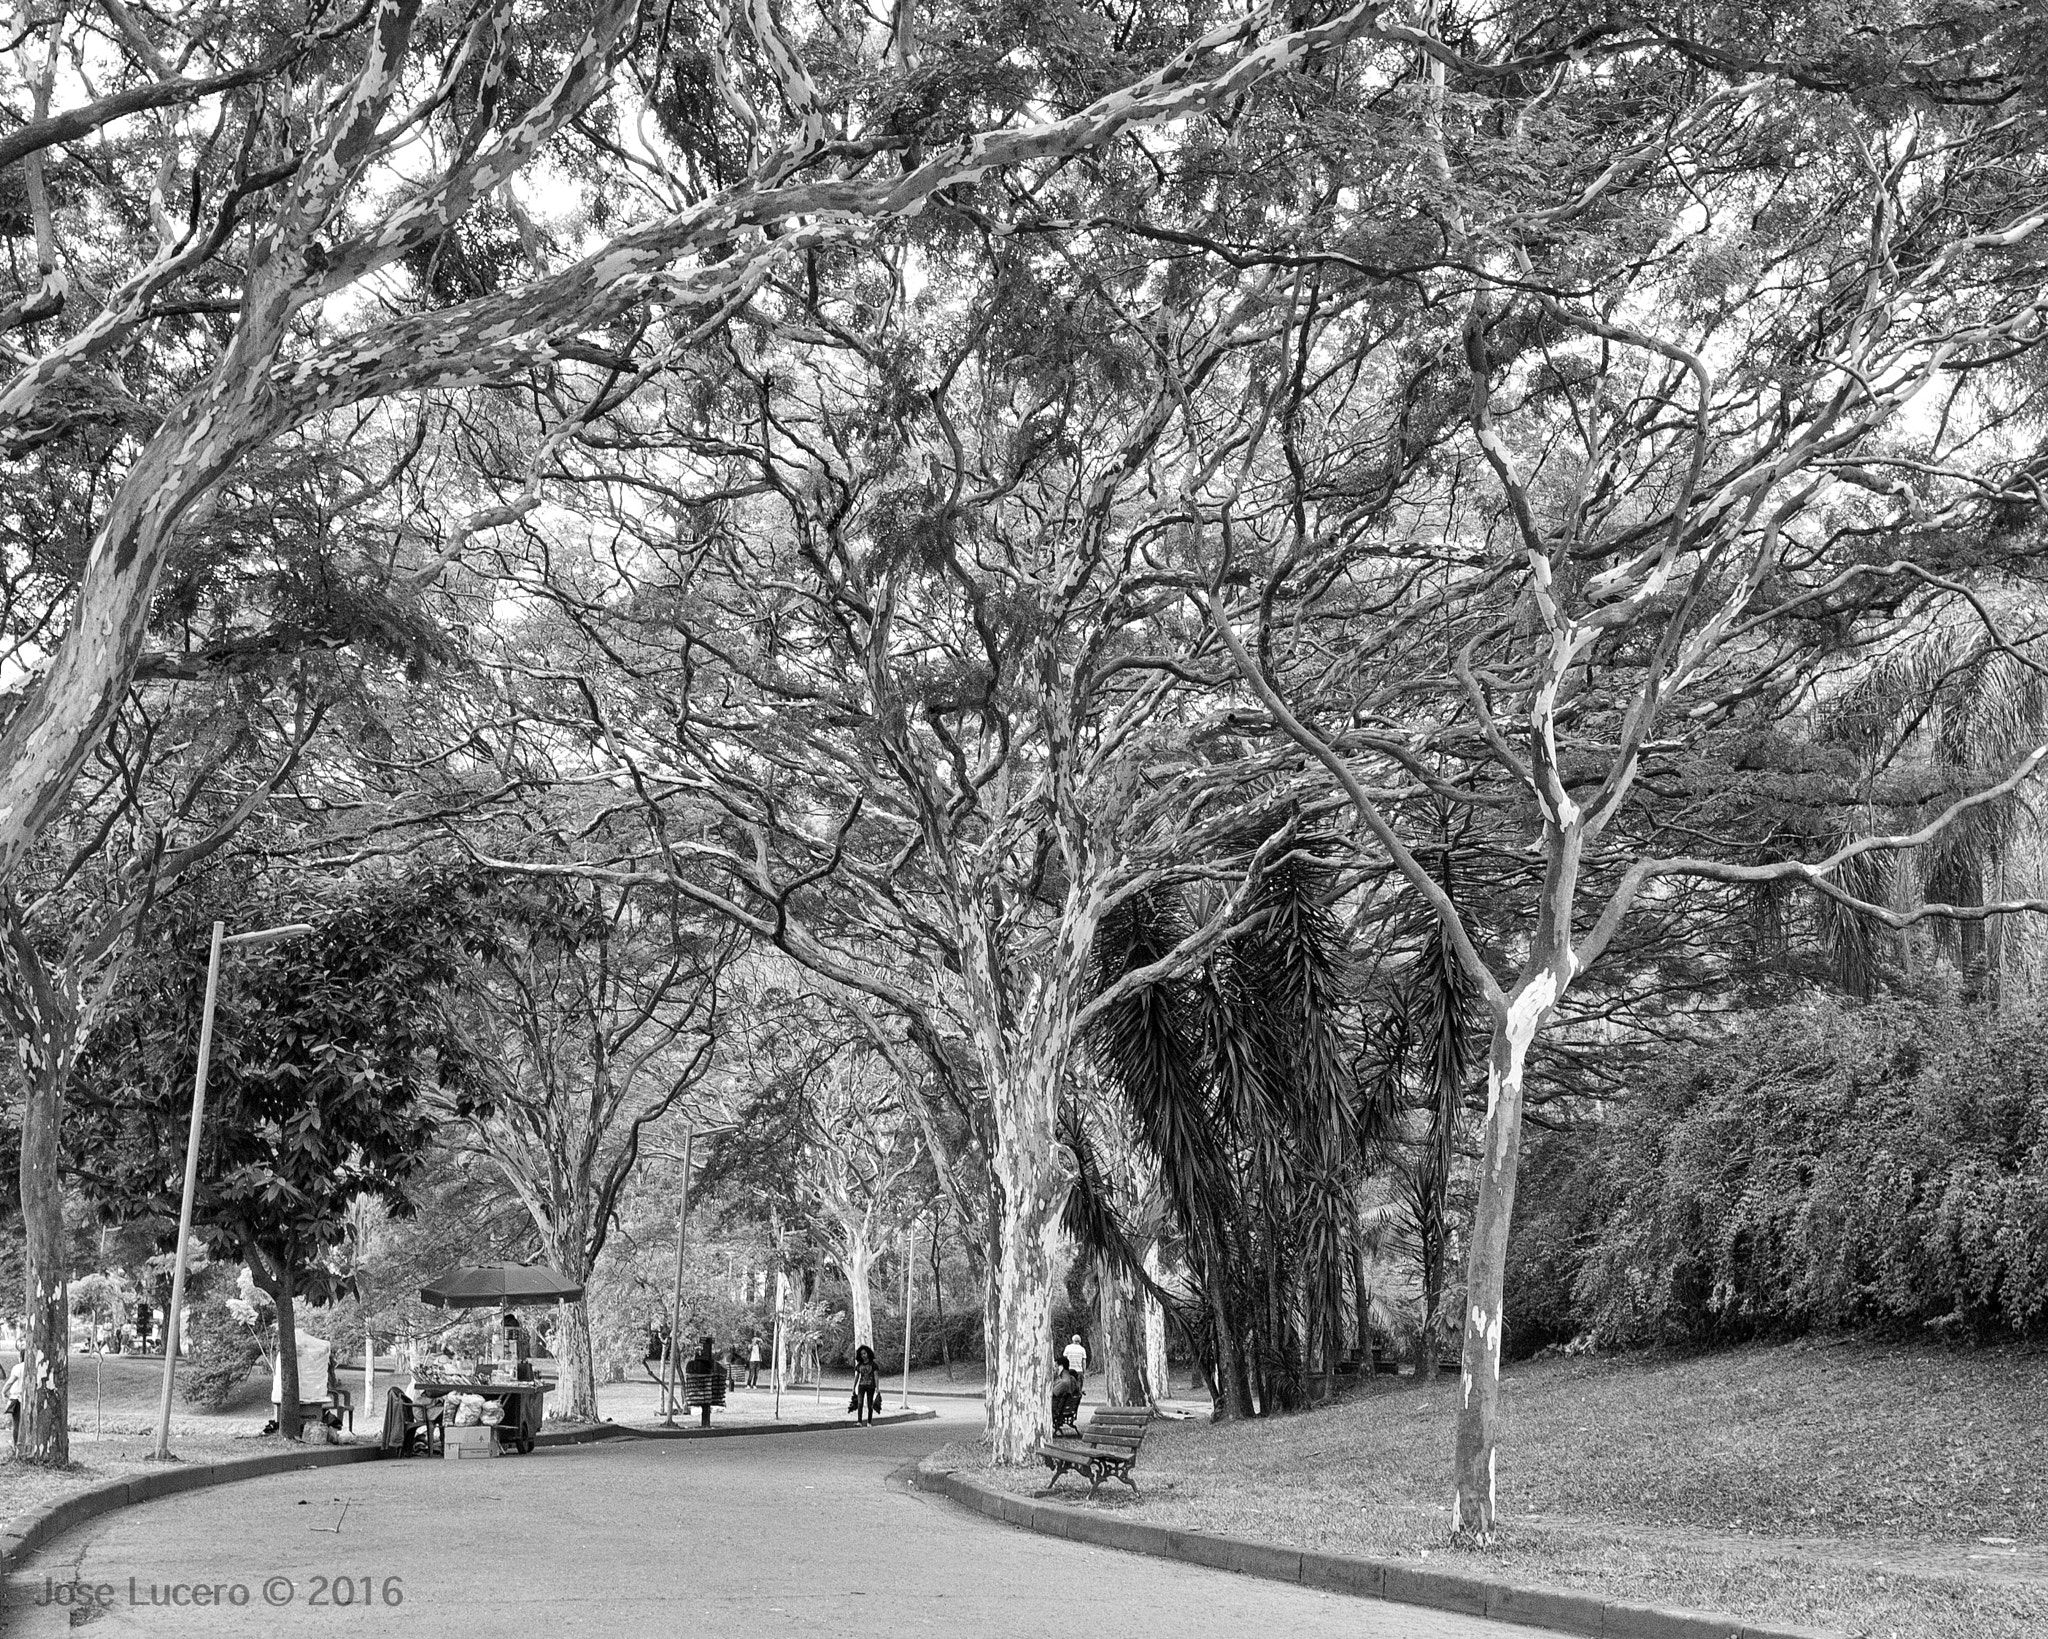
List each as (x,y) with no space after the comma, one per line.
(1556,1221)
(1820,1166)
(224,1352)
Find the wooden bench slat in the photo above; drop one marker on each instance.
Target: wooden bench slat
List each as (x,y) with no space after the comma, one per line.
(1107,1449)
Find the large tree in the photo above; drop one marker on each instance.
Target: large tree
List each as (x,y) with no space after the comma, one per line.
(594,1017)
(894,695)
(252,230)
(178,774)
(1674,449)
(321,162)
(324,1050)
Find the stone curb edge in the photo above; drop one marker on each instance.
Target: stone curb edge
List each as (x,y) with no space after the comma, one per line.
(30,1529)
(1402,1581)
(735,1431)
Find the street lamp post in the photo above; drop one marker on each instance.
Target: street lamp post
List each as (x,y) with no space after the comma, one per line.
(675,1325)
(672,1365)
(221,939)
(909,1247)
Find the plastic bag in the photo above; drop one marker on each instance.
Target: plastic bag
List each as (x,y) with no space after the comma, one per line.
(493,1413)
(469,1410)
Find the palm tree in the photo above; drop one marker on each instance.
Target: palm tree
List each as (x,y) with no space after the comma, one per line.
(1148,1049)
(1419,1059)
(1237,1081)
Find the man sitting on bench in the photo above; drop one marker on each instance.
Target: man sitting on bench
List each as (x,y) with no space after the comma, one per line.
(1066,1399)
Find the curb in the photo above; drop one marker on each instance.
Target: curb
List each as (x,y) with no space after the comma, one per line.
(29,1530)
(742,1430)
(1402,1581)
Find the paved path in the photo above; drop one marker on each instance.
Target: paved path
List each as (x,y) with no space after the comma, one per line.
(795,1534)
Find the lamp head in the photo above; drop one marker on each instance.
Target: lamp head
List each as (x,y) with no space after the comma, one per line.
(265,936)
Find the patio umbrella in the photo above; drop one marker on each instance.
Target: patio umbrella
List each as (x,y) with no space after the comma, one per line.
(500,1286)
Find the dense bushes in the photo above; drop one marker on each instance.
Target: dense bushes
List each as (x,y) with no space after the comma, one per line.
(1819,1166)
(224,1351)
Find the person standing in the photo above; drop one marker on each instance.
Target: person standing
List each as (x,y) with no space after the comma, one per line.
(515,1346)
(1076,1356)
(867,1386)
(16,1381)
(754,1362)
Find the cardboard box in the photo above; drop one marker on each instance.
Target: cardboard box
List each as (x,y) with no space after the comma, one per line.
(477,1440)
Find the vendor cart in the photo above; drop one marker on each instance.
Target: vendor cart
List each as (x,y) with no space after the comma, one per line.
(498,1286)
(521,1400)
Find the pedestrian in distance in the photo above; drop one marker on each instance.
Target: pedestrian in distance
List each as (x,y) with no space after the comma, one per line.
(1076,1356)
(17,1380)
(754,1362)
(867,1387)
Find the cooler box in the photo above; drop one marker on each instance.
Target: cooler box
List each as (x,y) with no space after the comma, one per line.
(477,1440)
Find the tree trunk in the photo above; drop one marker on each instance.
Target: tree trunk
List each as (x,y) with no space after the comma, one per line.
(1033,1185)
(939,1301)
(1233,1375)
(860,1288)
(1155,1330)
(1475,1505)
(991,1307)
(1974,953)
(276,1280)
(1432,1307)
(1123,1341)
(568,1249)
(577,1366)
(784,1349)
(45,1398)
(1361,1305)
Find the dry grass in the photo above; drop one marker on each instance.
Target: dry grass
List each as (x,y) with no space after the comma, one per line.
(1676,1482)
(113,1430)
(122,1454)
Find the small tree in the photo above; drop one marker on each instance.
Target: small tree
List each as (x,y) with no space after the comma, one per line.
(323,1048)
(101,1299)
(226,1347)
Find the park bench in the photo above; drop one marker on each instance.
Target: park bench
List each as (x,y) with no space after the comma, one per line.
(1106,1450)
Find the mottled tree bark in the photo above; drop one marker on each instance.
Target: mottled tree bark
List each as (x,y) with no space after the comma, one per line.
(1156,1373)
(578,1365)
(1475,1507)
(860,1287)
(45,1435)
(1033,1187)
(1123,1340)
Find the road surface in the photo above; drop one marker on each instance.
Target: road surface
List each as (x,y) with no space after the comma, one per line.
(727,1539)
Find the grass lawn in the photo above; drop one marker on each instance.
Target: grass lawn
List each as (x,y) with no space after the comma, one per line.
(1843,1485)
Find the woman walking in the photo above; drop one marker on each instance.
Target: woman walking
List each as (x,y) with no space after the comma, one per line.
(867,1386)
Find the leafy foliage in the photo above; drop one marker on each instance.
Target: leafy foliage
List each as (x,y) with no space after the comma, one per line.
(224,1347)
(1817,1167)
(322,1048)
(1239,1085)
